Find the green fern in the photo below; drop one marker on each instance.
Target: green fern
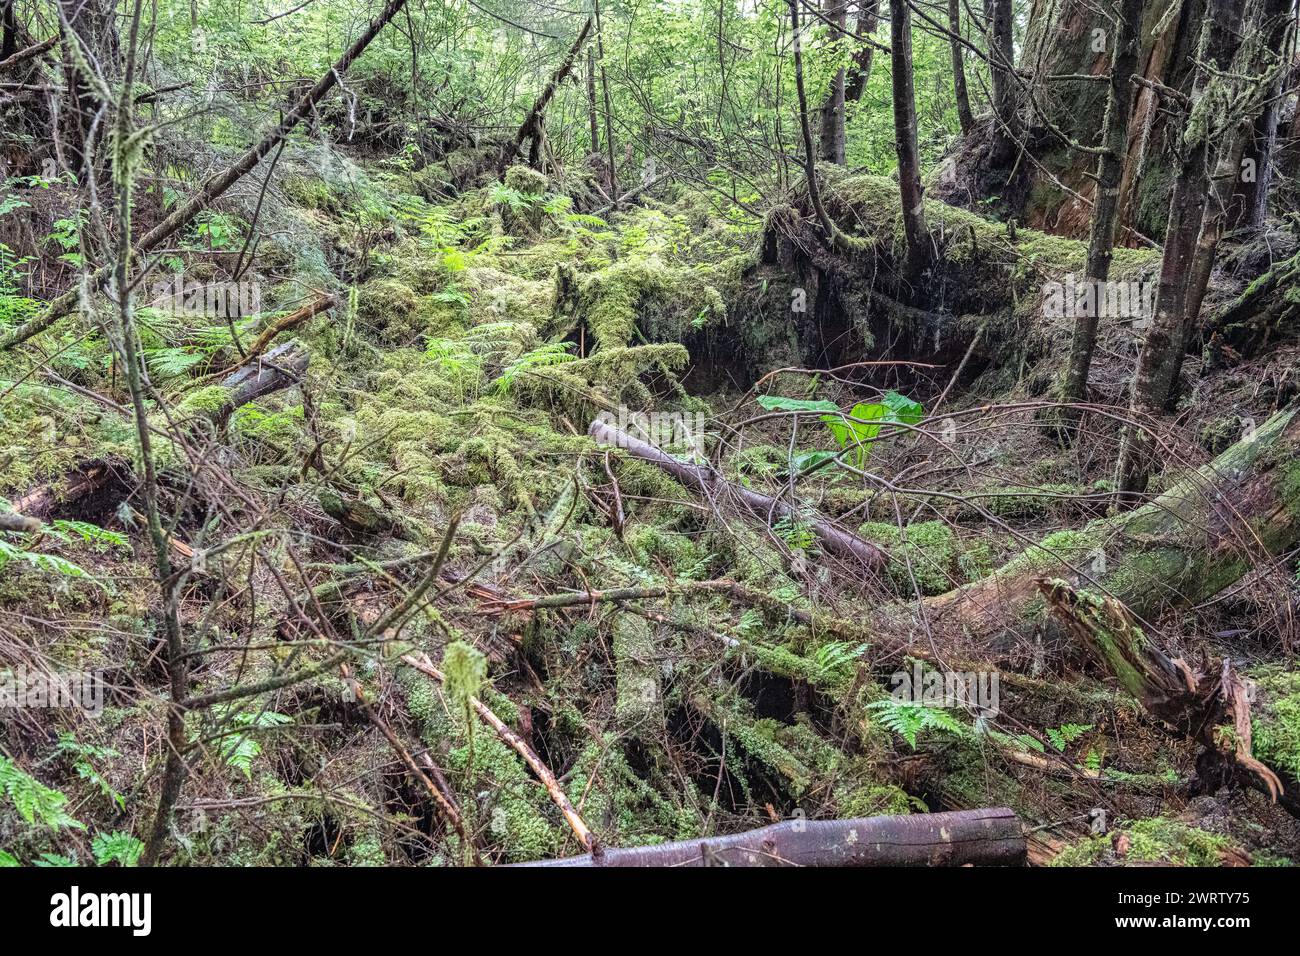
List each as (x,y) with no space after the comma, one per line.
(34,801)
(239,750)
(1061,737)
(117,847)
(833,661)
(552,353)
(909,720)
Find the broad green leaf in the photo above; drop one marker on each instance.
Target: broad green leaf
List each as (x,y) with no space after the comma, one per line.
(779,403)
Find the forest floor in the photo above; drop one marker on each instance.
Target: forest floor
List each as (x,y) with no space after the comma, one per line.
(478,328)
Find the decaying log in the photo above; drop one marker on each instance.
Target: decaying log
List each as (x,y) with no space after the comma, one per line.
(1190,703)
(990,837)
(12,521)
(717,489)
(1199,537)
(544,774)
(40,502)
(280,368)
(283,324)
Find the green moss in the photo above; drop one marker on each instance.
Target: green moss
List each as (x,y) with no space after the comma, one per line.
(929,553)
(1275,720)
(1154,840)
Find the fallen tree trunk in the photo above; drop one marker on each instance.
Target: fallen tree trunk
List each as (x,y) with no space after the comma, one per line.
(1203,534)
(717,489)
(280,368)
(968,837)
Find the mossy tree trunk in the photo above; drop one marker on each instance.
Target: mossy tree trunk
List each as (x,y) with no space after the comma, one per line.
(1110,168)
(1157,361)
(1210,528)
(909,161)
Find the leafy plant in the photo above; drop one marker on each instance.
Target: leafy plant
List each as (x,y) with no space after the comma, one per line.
(552,353)
(833,660)
(34,801)
(909,720)
(239,750)
(857,429)
(1061,737)
(116,847)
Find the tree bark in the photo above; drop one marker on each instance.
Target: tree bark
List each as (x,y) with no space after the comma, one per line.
(991,837)
(1110,168)
(1002,56)
(1157,359)
(531,128)
(92,25)
(832,134)
(909,162)
(860,70)
(960,94)
(1250,206)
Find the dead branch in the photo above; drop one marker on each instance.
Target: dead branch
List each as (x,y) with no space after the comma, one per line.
(714,487)
(580,829)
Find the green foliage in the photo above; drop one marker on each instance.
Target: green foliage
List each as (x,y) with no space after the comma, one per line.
(909,720)
(239,749)
(1061,737)
(35,802)
(858,428)
(116,847)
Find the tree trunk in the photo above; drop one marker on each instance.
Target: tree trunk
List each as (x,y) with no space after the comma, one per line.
(1201,536)
(832,136)
(1250,205)
(1157,359)
(958,838)
(1002,55)
(960,94)
(860,69)
(1110,168)
(92,24)
(909,162)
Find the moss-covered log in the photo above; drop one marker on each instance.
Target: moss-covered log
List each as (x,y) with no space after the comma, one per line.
(1203,534)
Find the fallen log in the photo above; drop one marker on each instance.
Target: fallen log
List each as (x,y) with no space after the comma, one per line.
(283,324)
(280,368)
(1212,526)
(717,489)
(12,521)
(1189,703)
(531,128)
(990,837)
